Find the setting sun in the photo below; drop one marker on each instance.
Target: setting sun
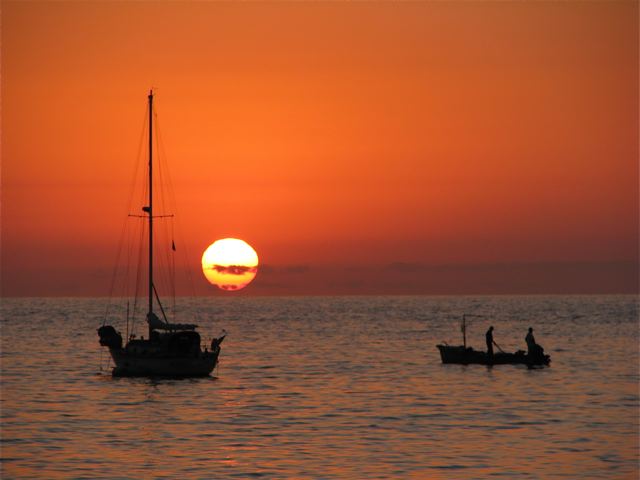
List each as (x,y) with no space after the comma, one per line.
(230,263)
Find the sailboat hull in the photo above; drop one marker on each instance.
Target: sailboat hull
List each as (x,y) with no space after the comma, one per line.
(136,365)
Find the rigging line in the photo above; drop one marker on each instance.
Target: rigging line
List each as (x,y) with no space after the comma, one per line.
(141,256)
(185,259)
(132,192)
(135,242)
(173,268)
(174,206)
(124,226)
(134,179)
(125,283)
(159,303)
(130,256)
(165,178)
(185,253)
(132,280)
(167,258)
(160,278)
(160,168)
(115,273)
(162,157)
(116,268)
(166,278)
(127,337)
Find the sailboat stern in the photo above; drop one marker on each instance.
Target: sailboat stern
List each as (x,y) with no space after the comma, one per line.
(109,337)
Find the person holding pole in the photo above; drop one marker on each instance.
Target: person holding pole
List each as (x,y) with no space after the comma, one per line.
(490,342)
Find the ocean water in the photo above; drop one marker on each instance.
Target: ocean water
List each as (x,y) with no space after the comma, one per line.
(328,387)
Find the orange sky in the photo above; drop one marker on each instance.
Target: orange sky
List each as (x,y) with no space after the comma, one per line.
(445,147)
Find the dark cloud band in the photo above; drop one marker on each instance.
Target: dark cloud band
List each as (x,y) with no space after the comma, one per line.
(233,269)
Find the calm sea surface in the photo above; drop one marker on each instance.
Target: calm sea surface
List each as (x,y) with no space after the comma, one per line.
(328,387)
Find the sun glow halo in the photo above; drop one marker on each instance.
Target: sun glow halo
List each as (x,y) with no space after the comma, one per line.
(230,263)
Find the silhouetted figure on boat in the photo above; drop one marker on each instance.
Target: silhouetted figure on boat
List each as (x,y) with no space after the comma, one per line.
(490,342)
(215,343)
(533,349)
(531,341)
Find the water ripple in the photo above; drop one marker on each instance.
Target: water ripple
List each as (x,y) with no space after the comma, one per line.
(323,387)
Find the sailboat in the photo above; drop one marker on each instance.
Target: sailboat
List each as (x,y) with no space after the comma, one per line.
(170,349)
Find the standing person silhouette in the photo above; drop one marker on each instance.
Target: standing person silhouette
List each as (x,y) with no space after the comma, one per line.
(533,349)
(490,342)
(531,342)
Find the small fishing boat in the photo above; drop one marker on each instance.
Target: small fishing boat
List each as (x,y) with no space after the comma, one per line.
(170,349)
(462,354)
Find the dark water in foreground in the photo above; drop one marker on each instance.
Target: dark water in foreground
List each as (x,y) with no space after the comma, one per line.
(331,387)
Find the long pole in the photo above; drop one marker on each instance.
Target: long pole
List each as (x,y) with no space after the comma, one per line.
(464,330)
(150,207)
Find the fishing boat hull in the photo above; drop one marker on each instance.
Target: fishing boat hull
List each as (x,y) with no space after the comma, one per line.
(468,356)
(128,364)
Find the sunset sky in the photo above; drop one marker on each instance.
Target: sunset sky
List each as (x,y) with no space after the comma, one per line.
(360,147)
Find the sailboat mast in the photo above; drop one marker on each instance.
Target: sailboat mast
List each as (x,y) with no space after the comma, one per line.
(150,206)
